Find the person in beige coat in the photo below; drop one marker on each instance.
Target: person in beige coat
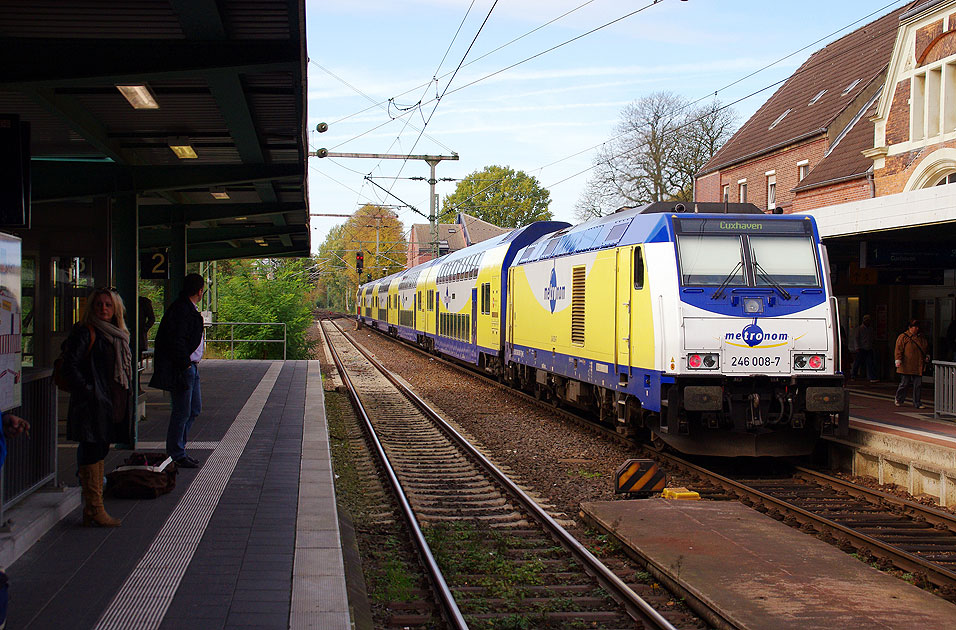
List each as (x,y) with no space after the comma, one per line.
(912,355)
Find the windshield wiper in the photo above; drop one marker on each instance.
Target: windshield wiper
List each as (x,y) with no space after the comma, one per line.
(769,280)
(723,285)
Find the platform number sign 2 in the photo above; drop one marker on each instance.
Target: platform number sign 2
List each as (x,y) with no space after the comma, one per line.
(154,265)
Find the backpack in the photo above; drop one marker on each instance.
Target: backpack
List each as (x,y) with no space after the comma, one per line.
(143,476)
(61,382)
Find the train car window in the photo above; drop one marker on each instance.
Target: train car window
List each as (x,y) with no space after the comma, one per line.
(550,248)
(527,253)
(638,268)
(486,298)
(711,260)
(786,260)
(616,233)
(431,299)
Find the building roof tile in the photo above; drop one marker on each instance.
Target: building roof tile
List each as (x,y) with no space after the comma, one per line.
(816,94)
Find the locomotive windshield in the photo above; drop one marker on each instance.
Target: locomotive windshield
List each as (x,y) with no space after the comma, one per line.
(711,260)
(730,252)
(786,260)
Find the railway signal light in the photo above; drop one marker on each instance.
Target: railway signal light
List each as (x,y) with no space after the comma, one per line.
(359,262)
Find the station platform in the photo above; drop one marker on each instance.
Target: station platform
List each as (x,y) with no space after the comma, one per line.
(249,539)
(781,578)
(902,445)
(872,409)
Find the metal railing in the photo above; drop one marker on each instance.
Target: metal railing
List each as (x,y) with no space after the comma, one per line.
(944,400)
(31,460)
(232,341)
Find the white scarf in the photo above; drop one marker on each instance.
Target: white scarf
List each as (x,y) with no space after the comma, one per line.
(123,367)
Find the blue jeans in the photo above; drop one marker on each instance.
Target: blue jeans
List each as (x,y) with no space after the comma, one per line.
(905,381)
(185,405)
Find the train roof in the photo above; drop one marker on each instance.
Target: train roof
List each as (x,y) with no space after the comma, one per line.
(651,223)
(519,235)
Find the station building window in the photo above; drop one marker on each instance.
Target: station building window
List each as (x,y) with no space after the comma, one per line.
(931,88)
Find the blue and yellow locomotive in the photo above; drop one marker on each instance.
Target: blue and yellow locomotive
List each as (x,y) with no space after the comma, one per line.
(713,333)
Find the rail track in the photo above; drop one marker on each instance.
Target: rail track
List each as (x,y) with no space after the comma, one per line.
(879,527)
(492,553)
(882,528)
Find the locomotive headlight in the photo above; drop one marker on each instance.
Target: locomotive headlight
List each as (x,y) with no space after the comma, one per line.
(753,305)
(702,361)
(808,362)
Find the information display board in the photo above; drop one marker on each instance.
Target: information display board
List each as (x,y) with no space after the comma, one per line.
(10,344)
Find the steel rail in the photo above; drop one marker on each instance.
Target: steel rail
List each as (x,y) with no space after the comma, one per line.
(635,606)
(901,559)
(567,413)
(445,596)
(911,508)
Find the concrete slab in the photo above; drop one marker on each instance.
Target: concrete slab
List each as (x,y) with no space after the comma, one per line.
(33,517)
(762,573)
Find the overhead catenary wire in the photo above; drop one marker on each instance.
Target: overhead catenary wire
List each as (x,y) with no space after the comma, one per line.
(709,95)
(724,106)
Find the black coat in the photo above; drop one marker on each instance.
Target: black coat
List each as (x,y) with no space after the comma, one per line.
(89,371)
(179,334)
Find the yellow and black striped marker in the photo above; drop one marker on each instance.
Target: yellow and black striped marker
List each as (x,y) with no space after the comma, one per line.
(639,476)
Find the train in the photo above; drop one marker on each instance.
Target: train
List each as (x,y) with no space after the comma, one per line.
(711,329)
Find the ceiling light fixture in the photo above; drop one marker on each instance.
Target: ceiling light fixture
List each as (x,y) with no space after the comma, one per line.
(139,96)
(181,147)
(219,192)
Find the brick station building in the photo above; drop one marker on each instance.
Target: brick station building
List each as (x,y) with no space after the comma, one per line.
(863,136)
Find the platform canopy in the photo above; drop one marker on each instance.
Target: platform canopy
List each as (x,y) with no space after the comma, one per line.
(222,81)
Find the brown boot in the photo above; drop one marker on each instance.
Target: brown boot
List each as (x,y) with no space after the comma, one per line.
(94,514)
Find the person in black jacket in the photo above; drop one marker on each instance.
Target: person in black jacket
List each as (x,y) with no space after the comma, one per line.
(97,365)
(177,350)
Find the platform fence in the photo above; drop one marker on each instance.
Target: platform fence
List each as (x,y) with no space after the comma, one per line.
(217,335)
(944,373)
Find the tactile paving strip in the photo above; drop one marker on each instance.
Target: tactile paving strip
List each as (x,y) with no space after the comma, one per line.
(145,597)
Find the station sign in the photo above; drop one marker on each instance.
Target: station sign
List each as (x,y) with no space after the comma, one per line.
(910,255)
(154,265)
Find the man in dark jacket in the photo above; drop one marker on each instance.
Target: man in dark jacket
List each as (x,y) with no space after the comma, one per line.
(177,351)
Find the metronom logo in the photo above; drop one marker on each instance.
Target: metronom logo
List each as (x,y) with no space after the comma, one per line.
(753,335)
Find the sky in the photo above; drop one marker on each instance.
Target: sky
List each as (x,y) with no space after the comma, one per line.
(515,84)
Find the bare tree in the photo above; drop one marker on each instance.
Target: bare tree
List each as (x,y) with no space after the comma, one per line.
(660,145)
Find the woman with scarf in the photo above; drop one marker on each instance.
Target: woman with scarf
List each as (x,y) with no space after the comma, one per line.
(98,366)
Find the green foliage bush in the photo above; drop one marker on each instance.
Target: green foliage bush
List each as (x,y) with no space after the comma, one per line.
(271,290)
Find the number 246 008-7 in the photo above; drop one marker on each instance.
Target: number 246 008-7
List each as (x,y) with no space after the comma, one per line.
(754,361)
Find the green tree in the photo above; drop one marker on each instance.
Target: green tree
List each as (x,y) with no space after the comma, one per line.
(268,290)
(501,196)
(374,231)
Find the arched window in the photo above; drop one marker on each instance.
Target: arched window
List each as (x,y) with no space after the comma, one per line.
(947,179)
